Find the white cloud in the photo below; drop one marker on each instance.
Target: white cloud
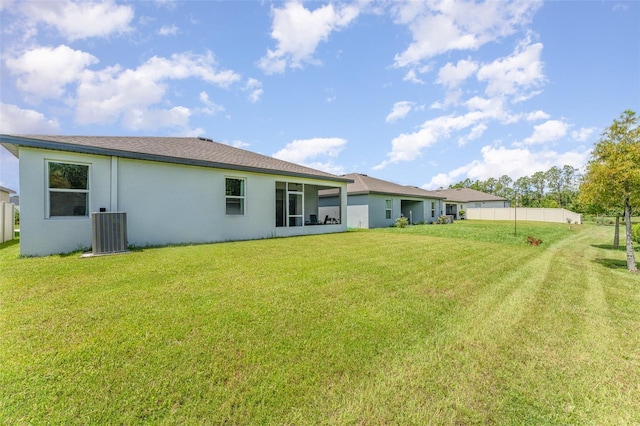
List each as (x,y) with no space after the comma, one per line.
(168,30)
(548,131)
(412,77)
(400,110)
(211,108)
(16,120)
(298,31)
(328,167)
(497,161)
(620,7)
(306,152)
(439,27)
(185,65)
(476,132)
(537,115)
(522,70)
(43,72)
(106,95)
(169,4)
(583,134)
(409,146)
(453,75)
(254,87)
(83,19)
(238,144)
(153,119)
(452,97)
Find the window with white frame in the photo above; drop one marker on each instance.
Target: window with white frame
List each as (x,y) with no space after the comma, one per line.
(68,189)
(388,205)
(433,209)
(235,196)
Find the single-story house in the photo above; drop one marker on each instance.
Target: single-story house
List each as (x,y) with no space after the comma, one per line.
(376,203)
(457,199)
(173,190)
(5,194)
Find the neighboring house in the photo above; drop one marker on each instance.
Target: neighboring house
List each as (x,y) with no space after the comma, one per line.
(376,203)
(7,215)
(457,199)
(173,191)
(5,194)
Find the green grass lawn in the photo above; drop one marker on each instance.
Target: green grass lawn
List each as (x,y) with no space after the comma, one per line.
(455,324)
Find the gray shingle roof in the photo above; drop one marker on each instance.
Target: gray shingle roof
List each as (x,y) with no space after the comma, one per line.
(467,195)
(181,150)
(363,184)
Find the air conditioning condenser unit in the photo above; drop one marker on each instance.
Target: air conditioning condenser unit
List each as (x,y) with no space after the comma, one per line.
(109,232)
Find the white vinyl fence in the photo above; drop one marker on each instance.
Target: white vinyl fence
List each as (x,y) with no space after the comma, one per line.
(524,213)
(7,224)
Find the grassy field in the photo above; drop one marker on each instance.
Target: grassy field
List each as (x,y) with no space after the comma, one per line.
(455,324)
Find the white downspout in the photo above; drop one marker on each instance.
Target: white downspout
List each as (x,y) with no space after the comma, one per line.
(114,185)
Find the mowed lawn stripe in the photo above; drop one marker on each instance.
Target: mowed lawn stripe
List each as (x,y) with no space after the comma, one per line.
(525,349)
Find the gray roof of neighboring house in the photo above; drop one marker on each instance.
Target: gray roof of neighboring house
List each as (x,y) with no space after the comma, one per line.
(467,195)
(181,150)
(363,184)
(10,191)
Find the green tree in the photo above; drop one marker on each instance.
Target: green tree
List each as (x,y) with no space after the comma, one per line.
(553,177)
(522,186)
(570,176)
(613,173)
(490,185)
(503,188)
(538,182)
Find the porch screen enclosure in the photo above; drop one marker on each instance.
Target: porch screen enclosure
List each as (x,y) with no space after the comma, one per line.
(297,205)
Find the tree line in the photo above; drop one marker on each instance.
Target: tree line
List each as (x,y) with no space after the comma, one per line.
(554,188)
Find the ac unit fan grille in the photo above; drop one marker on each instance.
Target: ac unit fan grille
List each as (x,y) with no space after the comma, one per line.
(109,232)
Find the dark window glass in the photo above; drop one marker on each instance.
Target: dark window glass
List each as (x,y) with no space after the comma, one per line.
(68,176)
(68,203)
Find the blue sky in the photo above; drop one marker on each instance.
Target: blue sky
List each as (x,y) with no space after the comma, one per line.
(420,93)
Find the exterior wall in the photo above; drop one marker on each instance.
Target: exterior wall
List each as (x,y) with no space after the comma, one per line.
(377,207)
(486,204)
(358,211)
(368,210)
(165,204)
(4,196)
(40,235)
(525,214)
